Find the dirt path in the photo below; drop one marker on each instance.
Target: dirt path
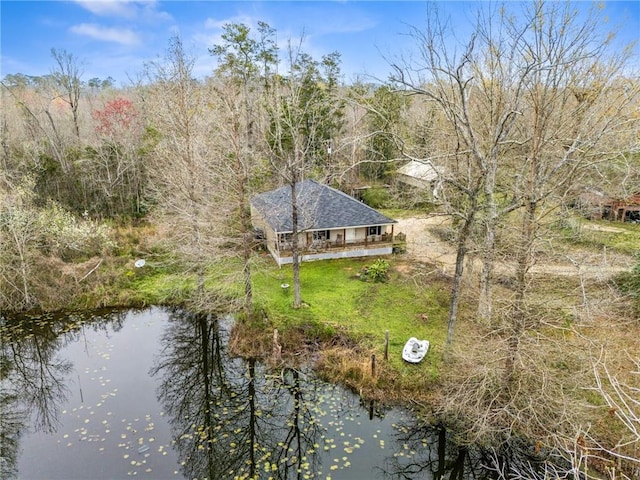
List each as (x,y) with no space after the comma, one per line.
(424,245)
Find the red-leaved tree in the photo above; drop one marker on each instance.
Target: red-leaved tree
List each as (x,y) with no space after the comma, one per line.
(117,117)
(116,175)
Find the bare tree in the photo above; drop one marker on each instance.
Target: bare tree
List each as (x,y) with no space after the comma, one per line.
(572,104)
(19,232)
(114,170)
(67,75)
(303,115)
(526,88)
(586,452)
(237,85)
(376,121)
(533,103)
(448,80)
(183,173)
(43,138)
(43,135)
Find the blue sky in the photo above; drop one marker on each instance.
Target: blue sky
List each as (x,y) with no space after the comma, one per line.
(115,38)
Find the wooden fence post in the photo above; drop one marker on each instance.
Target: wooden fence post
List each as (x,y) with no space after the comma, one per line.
(277,348)
(386,345)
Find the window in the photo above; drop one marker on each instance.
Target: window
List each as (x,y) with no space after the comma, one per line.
(284,237)
(321,235)
(375,230)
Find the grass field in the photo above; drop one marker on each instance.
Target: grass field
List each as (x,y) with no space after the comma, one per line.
(621,237)
(337,301)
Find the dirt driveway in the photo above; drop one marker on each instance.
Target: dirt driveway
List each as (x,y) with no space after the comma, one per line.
(424,245)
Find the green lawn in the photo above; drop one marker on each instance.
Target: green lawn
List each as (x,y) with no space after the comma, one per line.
(337,299)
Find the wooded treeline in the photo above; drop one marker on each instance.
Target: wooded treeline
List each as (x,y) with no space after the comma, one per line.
(519,118)
(534,105)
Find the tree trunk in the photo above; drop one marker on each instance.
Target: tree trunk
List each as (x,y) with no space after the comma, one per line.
(297,297)
(524,260)
(247,239)
(485,302)
(463,238)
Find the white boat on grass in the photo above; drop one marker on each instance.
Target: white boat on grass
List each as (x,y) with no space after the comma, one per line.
(415,350)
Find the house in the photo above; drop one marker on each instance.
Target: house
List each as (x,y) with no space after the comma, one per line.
(626,209)
(595,204)
(331,224)
(422,175)
(592,202)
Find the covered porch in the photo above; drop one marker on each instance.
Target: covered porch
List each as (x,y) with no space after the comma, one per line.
(336,246)
(340,243)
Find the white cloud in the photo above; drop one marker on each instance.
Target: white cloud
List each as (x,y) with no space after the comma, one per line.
(141,9)
(117,35)
(148,10)
(116,8)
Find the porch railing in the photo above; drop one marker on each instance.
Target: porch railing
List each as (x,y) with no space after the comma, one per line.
(371,241)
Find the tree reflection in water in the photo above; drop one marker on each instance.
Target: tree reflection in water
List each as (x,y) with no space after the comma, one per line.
(435,456)
(33,379)
(230,419)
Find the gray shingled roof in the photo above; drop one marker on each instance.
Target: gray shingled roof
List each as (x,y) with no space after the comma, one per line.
(320,207)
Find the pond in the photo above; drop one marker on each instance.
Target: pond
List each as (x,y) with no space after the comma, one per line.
(154,394)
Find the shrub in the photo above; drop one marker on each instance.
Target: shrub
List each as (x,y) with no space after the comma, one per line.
(378,271)
(70,237)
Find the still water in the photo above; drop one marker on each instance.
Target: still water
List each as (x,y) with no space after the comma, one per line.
(154,394)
